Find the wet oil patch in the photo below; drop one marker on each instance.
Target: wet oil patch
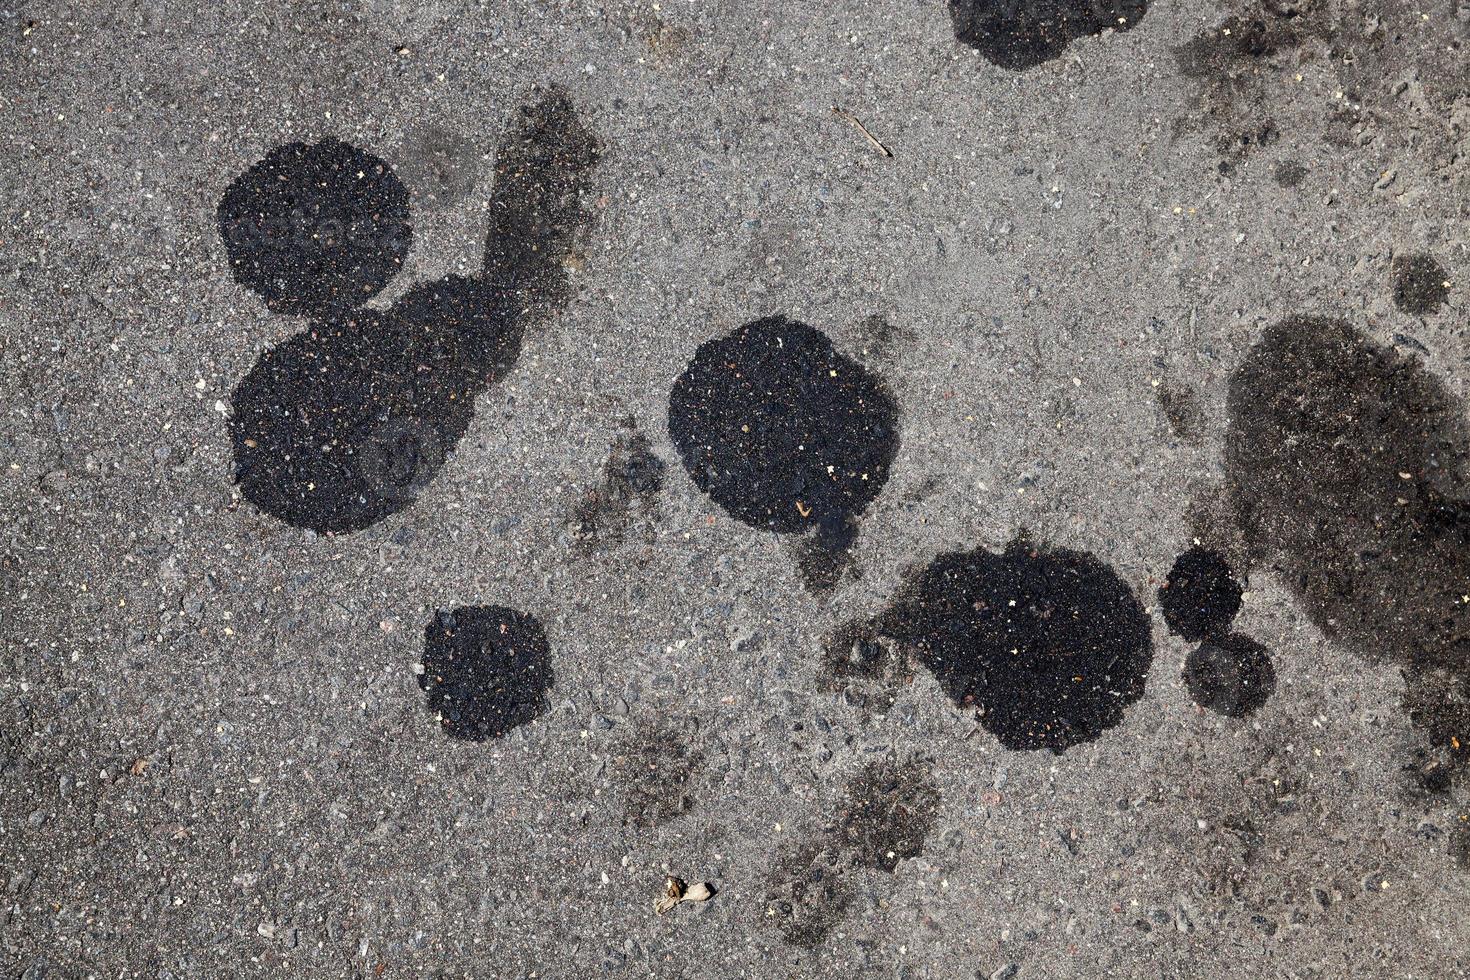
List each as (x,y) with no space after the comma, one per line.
(440,167)
(658,769)
(346,423)
(628,492)
(1181,408)
(1230,675)
(315,228)
(786,434)
(1420,284)
(1346,464)
(1049,646)
(1018,36)
(884,816)
(486,670)
(1201,596)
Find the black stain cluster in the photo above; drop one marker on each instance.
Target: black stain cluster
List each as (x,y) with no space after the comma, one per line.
(487,670)
(345,423)
(884,817)
(1050,646)
(1346,464)
(1021,34)
(1228,673)
(1420,284)
(785,433)
(1201,596)
(1231,675)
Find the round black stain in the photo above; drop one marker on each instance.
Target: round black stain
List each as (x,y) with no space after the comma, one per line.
(345,423)
(1050,646)
(1231,675)
(487,670)
(316,227)
(781,430)
(1201,596)
(1420,284)
(1021,35)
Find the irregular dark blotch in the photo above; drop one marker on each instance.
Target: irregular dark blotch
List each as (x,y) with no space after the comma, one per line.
(1020,35)
(1346,464)
(1051,646)
(315,228)
(657,769)
(807,894)
(1459,843)
(1231,675)
(1289,173)
(345,423)
(542,172)
(1181,408)
(783,431)
(885,815)
(440,167)
(864,666)
(487,670)
(1420,284)
(1223,54)
(630,484)
(1201,596)
(823,558)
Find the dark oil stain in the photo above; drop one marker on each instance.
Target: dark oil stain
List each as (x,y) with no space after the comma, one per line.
(1050,646)
(1201,596)
(631,480)
(1420,284)
(658,768)
(315,228)
(1289,173)
(1346,464)
(785,433)
(1021,34)
(884,816)
(487,670)
(881,339)
(441,167)
(1231,675)
(1181,408)
(345,423)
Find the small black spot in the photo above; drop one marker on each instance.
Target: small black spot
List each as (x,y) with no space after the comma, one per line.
(631,481)
(1017,36)
(1231,675)
(1201,596)
(784,432)
(315,227)
(1289,173)
(345,423)
(487,670)
(885,815)
(1050,646)
(1420,284)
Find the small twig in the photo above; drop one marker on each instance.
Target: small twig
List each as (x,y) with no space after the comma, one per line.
(842,113)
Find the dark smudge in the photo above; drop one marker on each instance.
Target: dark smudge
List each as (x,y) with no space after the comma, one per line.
(441,167)
(1021,35)
(864,666)
(345,423)
(884,816)
(1201,596)
(487,670)
(1181,408)
(1420,284)
(631,480)
(1346,463)
(1231,675)
(315,228)
(786,434)
(1050,646)
(657,768)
